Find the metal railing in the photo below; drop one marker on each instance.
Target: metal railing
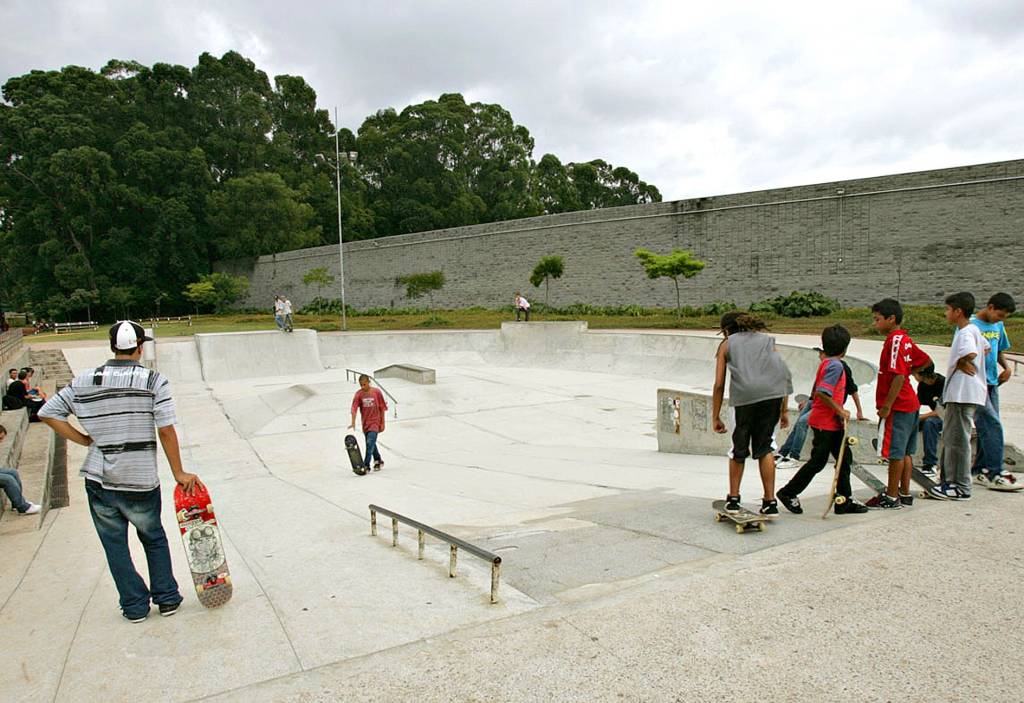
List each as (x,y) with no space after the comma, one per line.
(10,343)
(454,542)
(154,322)
(353,375)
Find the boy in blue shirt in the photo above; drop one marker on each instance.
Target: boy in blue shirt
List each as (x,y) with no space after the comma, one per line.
(988,466)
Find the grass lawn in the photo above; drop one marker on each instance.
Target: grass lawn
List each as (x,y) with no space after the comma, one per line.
(925,323)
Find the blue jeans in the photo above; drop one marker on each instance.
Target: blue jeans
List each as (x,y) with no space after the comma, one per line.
(990,435)
(371,447)
(931,428)
(111,513)
(279,321)
(10,481)
(795,440)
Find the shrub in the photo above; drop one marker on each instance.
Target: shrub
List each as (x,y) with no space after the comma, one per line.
(798,304)
(434,321)
(717,308)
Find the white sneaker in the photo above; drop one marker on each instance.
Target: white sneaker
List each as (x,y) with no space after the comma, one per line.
(787,463)
(1005,482)
(981,478)
(32,509)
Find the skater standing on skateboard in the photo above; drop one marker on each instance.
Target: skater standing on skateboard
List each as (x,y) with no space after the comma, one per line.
(125,408)
(896,401)
(988,465)
(759,388)
(964,394)
(827,419)
(370,403)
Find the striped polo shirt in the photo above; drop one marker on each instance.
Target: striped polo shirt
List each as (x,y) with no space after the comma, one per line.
(119,404)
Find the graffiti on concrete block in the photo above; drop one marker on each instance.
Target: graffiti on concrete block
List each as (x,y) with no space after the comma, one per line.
(698,411)
(668,413)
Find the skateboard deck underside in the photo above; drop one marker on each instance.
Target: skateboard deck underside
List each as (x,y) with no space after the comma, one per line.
(204,552)
(355,457)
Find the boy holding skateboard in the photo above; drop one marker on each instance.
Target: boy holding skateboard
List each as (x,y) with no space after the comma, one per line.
(370,403)
(965,392)
(896,401)
(759,388)
(828,420)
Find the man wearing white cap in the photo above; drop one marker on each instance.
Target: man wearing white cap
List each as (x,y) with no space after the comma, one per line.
(125,408)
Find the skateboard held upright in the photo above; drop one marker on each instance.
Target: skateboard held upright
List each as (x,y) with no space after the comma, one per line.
(204,548)
(832,498)
(355,457)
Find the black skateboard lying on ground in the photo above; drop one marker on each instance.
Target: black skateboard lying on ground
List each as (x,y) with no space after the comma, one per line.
(355,457)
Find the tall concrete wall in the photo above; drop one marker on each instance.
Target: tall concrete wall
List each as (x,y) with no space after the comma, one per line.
(918,235)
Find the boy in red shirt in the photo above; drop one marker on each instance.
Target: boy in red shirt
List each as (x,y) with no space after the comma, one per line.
(897,401)
(370,402)
(827,419)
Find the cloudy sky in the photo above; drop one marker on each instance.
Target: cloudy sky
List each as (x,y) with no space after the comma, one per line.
(700,98)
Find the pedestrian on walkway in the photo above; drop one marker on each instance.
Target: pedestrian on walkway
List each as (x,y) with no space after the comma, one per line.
(125,408)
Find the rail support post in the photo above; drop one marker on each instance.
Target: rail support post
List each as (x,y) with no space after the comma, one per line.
(394,532)
(373,522)
(422,542)
(452,560)
(495,580)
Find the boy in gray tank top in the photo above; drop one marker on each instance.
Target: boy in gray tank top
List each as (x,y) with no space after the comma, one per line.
(759,387)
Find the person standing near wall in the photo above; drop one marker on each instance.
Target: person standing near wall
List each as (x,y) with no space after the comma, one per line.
(286,310)
(522,305)
(279,312)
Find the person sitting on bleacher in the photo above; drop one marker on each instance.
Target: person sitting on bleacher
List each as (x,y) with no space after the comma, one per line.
(18,397)
(10,482)
(33,390)
(12,376)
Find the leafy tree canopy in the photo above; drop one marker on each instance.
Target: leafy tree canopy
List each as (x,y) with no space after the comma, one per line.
(132,180)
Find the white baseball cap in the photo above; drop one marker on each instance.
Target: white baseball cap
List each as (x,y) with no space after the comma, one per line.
(127,335)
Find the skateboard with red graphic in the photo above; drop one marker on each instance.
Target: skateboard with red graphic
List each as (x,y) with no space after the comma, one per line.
(204,548)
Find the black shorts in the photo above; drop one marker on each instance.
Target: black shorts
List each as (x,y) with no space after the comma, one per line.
(755,427)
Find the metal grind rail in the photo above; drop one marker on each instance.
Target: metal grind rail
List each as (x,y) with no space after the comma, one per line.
(454,542)
(353,375)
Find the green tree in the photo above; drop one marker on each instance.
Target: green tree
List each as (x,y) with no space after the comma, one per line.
(217,290)
(82,298)
(547,268)
(258,214)
(678,263)
(321,278)
(419,284)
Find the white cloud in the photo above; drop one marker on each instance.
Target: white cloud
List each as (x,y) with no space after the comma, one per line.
(698,98)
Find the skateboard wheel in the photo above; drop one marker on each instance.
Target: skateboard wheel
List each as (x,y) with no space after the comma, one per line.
(853,441)
(200,588)
(760,527)
(840,500)
(739,528)
(718,517)
(227,580)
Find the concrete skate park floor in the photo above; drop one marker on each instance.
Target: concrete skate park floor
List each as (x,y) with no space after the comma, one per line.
(616,583)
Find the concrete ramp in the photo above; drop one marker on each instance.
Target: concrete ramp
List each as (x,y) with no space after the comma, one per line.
(224,357)
(249,414)
(178,361)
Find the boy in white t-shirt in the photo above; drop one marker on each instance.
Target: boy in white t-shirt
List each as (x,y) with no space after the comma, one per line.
(965,392)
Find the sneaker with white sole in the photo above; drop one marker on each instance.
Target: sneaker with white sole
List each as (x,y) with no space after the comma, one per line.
(945,491)
(787,462)
(981,478)
(32,509)
(884,501)
(732,504)
(1005,482)
(168,609)
(929,470)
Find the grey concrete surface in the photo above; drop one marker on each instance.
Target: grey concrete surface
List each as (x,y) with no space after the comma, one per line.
(617,584)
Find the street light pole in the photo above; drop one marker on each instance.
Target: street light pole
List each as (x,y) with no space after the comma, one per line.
(341,240)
